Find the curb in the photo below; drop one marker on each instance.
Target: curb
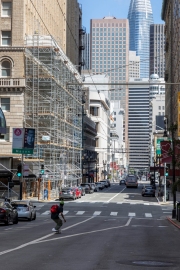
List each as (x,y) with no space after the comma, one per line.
(174,223)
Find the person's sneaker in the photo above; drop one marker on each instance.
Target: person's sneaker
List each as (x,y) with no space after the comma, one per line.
(54,230)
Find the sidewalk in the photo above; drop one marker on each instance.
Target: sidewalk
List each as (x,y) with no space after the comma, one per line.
(160,200)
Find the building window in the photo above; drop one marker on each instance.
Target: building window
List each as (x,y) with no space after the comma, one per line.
(6,9)
(5,104)
(5,137)
(6,38)
(5,68)
(159,107)
(97,142)
(94,111)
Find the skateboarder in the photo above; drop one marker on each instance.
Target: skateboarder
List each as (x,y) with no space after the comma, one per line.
(57,211)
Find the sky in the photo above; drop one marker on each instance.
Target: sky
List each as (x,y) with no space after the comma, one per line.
(97,9)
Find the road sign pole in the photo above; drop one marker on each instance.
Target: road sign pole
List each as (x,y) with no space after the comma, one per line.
(164,182)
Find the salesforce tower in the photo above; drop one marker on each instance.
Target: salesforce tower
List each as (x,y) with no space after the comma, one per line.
(140,18)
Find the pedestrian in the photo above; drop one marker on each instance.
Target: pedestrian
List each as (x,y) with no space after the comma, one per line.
(57,211)
(45,194)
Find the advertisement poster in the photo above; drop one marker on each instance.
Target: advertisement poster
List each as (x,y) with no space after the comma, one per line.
(23,140)
(18,138)
(29,137)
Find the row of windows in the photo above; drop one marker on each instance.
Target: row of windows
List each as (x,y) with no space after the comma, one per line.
(108,29)
(6,9)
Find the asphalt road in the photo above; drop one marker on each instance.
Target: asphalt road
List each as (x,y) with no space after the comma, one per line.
(113,229)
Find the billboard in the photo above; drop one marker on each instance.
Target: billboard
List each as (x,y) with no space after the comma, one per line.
(29,137)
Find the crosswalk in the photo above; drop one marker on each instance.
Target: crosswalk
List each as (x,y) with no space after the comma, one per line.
(122,202)
(99,213)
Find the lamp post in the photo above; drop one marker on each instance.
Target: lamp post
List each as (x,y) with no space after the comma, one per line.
(153,182)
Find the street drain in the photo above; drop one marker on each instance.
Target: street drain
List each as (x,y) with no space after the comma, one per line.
(153,263)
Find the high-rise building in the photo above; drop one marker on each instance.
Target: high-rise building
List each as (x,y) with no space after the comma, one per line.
(134,65)
(110,55)
(157,43)
(138,124)
(140,18)
(86,52)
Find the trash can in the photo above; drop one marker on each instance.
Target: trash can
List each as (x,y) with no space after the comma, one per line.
(178,210)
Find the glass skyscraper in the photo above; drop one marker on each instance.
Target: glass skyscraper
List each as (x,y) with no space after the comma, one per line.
(140,18)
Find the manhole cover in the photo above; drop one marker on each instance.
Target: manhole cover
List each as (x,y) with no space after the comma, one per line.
(153,263)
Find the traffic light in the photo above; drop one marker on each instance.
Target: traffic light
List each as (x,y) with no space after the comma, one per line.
(42,169)
(167,171)
(19,170)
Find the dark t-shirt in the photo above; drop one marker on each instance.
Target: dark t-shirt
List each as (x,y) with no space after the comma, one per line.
(56,215)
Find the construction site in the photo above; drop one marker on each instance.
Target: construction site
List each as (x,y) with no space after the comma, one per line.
(54,110)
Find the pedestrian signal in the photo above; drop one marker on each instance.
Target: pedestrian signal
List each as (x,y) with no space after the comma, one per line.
(167,171)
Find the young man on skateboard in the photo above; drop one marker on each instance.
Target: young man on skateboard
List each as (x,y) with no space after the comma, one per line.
(57,211)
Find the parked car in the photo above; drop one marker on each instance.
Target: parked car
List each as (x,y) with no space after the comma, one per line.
(122,182)
(67,193)
(82,189)
(131,181)
(106,184)
(99,185)
(25,209)
(8,213)
(148,190)
(88,188)
(93,186)
(77,192)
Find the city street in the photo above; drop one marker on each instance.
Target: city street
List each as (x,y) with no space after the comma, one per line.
(115,228)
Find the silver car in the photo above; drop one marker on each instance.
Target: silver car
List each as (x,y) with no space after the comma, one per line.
(25,209)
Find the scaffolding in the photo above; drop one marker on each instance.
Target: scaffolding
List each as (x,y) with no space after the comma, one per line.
(54,110)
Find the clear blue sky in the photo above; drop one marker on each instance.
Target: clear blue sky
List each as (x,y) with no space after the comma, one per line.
(97,9)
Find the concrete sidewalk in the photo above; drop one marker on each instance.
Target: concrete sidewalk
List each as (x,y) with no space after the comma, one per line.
(160,200)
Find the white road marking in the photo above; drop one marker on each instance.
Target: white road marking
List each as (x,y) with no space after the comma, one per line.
(97,213)
(167,212)
(42,238)
(113,213)
(131,214)
(132,203)
(146,203)
(80,212)
(148,215)
(119,202)
(8,229)
(46,213)
(116,195)
(65,212)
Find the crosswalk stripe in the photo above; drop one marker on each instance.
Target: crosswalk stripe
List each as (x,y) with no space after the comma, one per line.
(132,203)
(97,213)
(146,203)
(80,212)
(148,215)
(65,212)
(113,213)
(131,214)
(46,213)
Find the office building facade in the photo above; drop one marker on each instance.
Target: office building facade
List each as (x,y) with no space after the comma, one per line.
(110,55)
(140,18)
(134,65)
(156,56)
(138,124)
(86,51)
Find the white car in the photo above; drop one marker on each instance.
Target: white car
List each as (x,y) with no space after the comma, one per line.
(25,209)
(143,178)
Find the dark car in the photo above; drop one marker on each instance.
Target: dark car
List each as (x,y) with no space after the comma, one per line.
(82,189)
(8,213)
(148,190)
(67,193)
(122,182)
(88,188)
